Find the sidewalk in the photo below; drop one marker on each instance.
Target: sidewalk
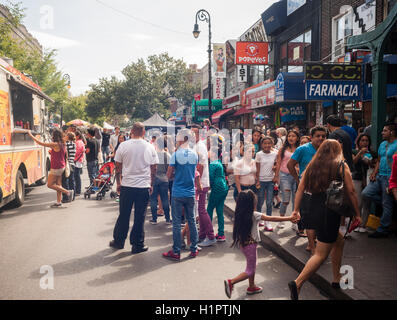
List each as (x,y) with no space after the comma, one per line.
(374,261)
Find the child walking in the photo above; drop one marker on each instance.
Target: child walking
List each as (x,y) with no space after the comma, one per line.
(246,236)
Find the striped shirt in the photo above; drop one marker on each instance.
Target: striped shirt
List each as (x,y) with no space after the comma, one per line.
(71,146)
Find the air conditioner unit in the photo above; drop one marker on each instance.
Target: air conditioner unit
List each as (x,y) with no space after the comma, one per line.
(340,48)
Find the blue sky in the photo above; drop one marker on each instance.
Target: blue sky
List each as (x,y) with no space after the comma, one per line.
(96,41)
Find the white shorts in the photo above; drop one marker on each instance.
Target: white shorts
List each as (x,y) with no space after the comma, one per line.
(57,172)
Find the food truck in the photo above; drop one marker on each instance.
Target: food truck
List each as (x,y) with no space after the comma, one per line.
(22,162)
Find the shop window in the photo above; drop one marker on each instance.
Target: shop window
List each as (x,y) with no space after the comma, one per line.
(295,52)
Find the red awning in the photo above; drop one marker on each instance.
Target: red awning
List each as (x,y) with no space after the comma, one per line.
(219,114)
(242,111)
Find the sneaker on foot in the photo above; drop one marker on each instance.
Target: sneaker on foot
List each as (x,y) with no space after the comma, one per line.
(220,238)
(261,224)
(153,221)
(268,227)
(193,254)
(228,288)
(207,242)
(254,290)
(172,256)
(168,222)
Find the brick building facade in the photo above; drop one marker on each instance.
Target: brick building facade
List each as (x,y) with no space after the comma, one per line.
(331,9)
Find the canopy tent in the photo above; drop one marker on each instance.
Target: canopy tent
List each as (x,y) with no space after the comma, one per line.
(107,126)
(157,122)
(78,122)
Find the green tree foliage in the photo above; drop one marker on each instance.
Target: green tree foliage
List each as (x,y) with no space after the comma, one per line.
(74,108)
(145,89)
(42,67)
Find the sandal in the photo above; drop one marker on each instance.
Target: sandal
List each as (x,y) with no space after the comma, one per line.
(301,234)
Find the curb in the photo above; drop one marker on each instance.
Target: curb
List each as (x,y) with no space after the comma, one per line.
(322,284)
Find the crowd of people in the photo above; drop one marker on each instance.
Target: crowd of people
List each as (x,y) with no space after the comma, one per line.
(187,176)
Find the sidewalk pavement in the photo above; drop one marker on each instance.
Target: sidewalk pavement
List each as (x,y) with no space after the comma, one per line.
(374,261)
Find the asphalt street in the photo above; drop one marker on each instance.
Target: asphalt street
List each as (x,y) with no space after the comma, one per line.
(73,241)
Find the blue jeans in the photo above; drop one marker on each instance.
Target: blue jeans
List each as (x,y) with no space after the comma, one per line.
(188,205)
(160,188)
(129,197)
(106,153)
(92,168)
(376,191)
(288,189)
(266,187)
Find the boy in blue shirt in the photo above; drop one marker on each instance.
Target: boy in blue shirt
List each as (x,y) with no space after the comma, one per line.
(183,166)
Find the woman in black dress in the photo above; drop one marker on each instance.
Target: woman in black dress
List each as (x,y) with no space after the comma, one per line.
(324,168)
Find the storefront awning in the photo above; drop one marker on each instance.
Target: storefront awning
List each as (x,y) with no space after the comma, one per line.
(217,115)
(242,111)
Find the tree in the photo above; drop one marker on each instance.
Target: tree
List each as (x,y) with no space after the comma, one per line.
(146,89)
(75,108)
(40,66)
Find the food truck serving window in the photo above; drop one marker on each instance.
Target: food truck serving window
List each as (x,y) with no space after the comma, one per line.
(22,107)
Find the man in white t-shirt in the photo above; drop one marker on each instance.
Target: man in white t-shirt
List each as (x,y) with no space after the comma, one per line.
(136,163)
(265,164)
(206,235)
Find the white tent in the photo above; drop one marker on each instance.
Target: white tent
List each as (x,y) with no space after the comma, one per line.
(107,126)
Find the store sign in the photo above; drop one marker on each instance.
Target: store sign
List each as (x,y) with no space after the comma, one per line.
(242,73)
(260,95)
(345,72)
(367,13)
(293,5)
(336,90)
(231,101)
(219,60)
(280,85)
(252,53)
(219,89)
(255,33)
(292,113)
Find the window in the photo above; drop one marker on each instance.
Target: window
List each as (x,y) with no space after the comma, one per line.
(295,52)
(256,74)
(344,27)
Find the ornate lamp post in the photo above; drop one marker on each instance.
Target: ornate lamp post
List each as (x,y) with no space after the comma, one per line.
(66,78)
(203,15)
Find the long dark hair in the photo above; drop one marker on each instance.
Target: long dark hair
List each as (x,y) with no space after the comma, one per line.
(287,145)
(245,206)
(359,139)
(323,167)
(57,136)
(118,141)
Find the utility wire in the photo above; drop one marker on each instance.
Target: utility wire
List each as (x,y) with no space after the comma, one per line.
(142,20)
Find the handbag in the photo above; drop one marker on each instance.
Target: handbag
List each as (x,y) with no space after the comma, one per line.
(67,165)
(336,199)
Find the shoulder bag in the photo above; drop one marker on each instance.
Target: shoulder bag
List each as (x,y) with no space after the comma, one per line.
(67,164)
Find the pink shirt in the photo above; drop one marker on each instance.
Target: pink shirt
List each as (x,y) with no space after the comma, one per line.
(80,149)
(393,176)
(58,158)
(284,161)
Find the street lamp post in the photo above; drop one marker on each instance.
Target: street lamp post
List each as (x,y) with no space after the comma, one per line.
(66,78)
(203,15)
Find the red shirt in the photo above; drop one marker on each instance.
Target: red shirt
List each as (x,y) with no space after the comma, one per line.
(393,177)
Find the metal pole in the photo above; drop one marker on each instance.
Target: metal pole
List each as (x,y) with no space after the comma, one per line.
(209,69)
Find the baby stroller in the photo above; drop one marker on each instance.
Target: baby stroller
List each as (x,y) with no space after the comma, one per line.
(106,175)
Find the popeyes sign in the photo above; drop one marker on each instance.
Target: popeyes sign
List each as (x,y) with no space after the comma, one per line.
(252,52)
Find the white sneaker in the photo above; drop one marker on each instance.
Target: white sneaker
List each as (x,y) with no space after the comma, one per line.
(362,230)
(207,242)
(268,226)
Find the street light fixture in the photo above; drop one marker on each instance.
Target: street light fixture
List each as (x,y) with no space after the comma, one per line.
(203,15)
